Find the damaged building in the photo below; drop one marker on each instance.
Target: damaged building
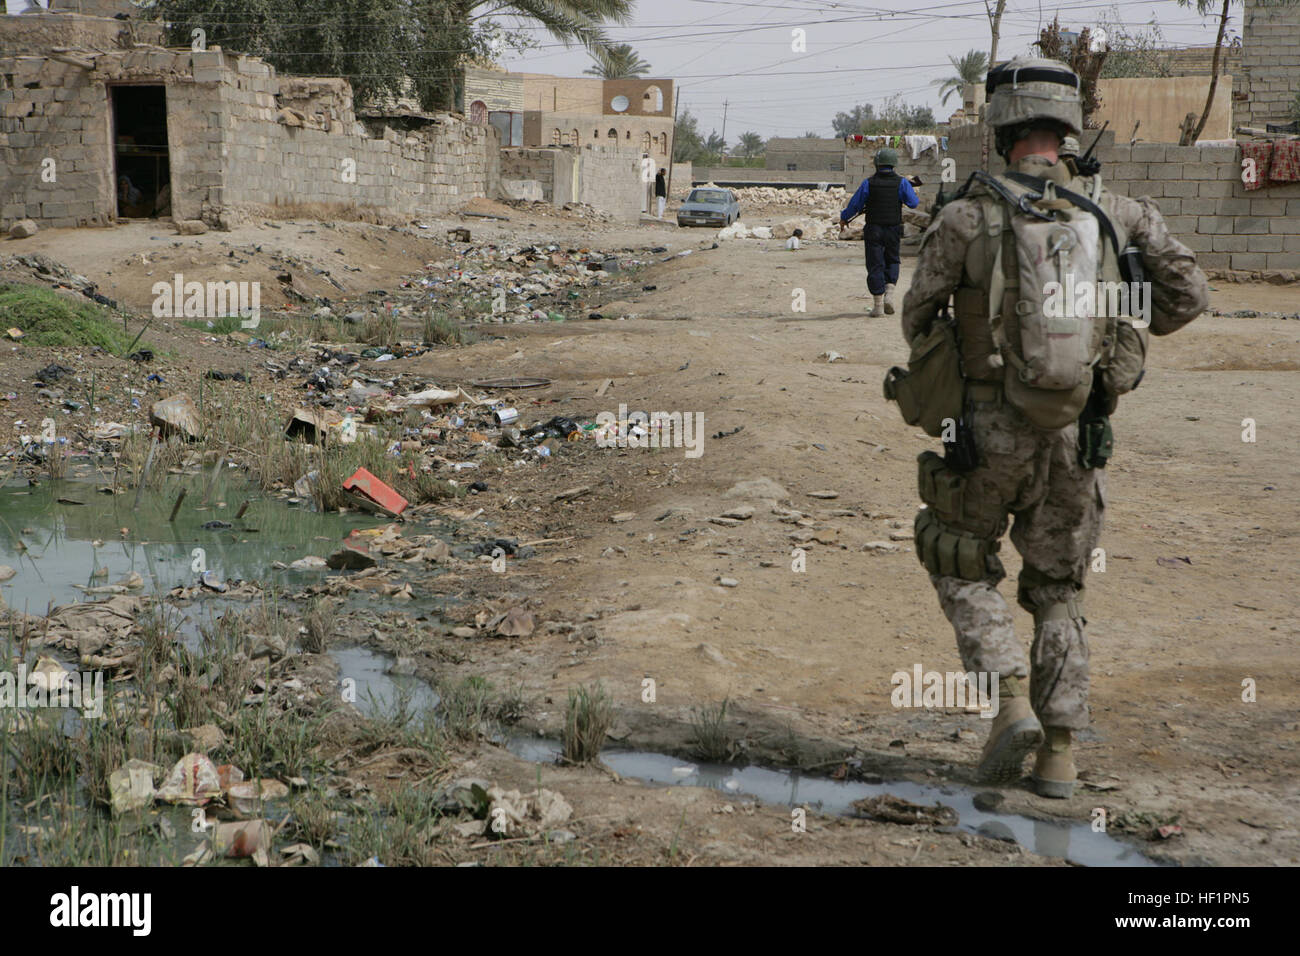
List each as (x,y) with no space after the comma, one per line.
(104,123)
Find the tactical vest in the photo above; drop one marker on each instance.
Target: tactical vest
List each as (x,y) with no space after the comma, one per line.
(999,303)
(884,208)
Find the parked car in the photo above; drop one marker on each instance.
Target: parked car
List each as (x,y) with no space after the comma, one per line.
(709,207)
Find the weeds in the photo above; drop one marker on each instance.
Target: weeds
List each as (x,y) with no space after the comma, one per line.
(588,718)
(709,733)
(318,619)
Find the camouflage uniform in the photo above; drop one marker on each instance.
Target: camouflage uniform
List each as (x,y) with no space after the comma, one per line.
(1030,473)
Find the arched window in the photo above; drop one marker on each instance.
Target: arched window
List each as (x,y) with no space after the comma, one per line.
(663,143)
(612,134)
(577,140)
(629,135)
(555,137)
(652,100)
(478,113)
(645,142)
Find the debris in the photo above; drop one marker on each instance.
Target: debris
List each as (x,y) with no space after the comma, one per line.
(881,547)
(193,780)
(512,813)
(893,809)
(212,582)
(728,582)
(249,838)
(131,787)
(350,558)
(1175,562)
(248,797)
(734,431)
(191,227)
(371,494)
(832,356)
(827,495)
(571,493)
(177,415)
(311,425)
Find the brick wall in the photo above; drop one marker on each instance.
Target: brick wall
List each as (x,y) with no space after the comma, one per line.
(859,165)
(1270,61)
(610,180)
(804,153)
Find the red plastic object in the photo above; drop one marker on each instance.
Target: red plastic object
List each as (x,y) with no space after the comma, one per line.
(364,485)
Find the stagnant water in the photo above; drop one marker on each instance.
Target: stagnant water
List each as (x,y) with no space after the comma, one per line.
(56,547)
(1076,842)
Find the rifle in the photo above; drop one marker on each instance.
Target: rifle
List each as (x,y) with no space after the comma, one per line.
(1085,164)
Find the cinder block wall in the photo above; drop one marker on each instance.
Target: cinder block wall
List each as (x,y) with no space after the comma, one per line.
(1270,60)
(1200,194)
(859,164)
(610,180)
(230,156)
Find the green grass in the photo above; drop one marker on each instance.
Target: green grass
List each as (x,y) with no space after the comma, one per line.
(50,319)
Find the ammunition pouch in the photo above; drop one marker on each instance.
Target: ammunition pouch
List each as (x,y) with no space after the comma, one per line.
(942,544)
(929,390)
(1126,365)
(1096,441)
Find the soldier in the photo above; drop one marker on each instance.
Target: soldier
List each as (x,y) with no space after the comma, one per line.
(882,197)
(1033,434)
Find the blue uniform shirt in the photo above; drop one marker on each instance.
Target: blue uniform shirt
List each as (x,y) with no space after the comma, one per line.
(906,194)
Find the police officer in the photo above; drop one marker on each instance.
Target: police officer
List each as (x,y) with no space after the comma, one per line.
(1048,478)
(882,196)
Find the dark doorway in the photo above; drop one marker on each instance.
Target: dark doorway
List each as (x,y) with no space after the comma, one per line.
(142,177)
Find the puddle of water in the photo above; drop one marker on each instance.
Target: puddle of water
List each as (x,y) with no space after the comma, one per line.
(1075,842)
(53,546)
(378,690)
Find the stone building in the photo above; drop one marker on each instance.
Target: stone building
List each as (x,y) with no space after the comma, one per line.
(97,123)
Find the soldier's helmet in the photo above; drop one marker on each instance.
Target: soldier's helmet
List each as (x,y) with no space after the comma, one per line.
(1029,88)
(886,157)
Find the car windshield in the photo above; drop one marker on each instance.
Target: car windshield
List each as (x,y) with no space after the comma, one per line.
(709,197)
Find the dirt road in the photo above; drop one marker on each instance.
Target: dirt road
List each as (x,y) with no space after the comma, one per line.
(1195,606)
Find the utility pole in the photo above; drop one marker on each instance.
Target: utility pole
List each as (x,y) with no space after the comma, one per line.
(995,24)
(724,127)
(672,149)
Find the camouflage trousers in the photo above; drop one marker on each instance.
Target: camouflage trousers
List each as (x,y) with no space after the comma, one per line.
(1058,505)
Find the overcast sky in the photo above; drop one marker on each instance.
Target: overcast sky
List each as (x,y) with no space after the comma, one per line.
(740,53)
(724,50)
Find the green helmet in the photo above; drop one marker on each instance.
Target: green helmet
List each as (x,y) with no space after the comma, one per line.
(887,157)
(1029,88)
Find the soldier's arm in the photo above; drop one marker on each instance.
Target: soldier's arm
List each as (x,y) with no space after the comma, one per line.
(1179,290)
(939,265)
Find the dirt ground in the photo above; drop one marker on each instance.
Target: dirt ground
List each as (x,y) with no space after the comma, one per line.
(805,658)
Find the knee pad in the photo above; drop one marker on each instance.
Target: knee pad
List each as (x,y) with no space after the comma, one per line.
(947,551)
(1069,609)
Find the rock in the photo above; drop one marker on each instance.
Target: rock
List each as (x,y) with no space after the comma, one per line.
(759,489)
(463,631)
(6,572)
(881,547)
(310,563)
(516,623)
(724,521)
(740,512)
(996,830)
(205,737)
(177,415)
(728,582)
(712,654)
(622,516)
(23,229)
(826,495)
(349,559)
(988,800)
(191,227)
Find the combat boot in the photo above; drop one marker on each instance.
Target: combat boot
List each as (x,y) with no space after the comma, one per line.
(879,310)
(1015,732)
(1054,774)
(889,300)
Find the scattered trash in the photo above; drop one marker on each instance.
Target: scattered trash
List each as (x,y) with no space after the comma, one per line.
(893,809)
(193,780)
(177,415)
(131,786)
(371,494)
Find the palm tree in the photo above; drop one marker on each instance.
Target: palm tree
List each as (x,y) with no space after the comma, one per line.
(751,144)
(566,20)
(619,62)
(970,69)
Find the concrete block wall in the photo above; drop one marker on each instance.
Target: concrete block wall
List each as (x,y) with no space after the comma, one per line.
(63,121)
(610,180)
(1201,196)
(230,156)
(859,164)
(1270,60)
